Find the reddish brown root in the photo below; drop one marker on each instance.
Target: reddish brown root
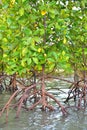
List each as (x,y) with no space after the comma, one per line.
(24,97)
(34,105)
(6,107)
(62,107)
(50,107)
(79,94)
(19,103)
(31,91)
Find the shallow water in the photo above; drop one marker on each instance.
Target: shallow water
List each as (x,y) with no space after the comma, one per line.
(39,120)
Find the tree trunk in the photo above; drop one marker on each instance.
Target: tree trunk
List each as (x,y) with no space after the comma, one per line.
(44,100)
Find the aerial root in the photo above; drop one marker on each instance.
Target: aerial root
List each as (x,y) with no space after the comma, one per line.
(34,105)
(78,94)
(26,94)
(61,106)
(7,105)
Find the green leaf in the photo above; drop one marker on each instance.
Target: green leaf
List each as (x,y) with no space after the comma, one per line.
(2,28)
(33,48)
(5,40)
(57,26)
(1,36)
(63,53)
(42,31)
(21,11)
(24,1)
(29,61)
(55,55)
(52,16)
(35,60)
(85,49)
(27,32)
(37,39)
(51,59)
(51,67)
(9,21)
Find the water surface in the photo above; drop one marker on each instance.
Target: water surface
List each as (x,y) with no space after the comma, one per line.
(40,120)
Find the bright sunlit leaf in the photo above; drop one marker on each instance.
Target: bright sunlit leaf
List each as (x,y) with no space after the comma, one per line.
(21,11)
(43,12)
(64,40)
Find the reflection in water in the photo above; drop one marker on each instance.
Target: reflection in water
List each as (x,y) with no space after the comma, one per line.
(39,120)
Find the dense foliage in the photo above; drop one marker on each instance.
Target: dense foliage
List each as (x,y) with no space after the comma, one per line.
(32,34)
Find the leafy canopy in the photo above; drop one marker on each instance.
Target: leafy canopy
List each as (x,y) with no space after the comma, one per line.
(34,33)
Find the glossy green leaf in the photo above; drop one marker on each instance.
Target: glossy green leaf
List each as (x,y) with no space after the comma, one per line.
(21,11)
(35,60)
